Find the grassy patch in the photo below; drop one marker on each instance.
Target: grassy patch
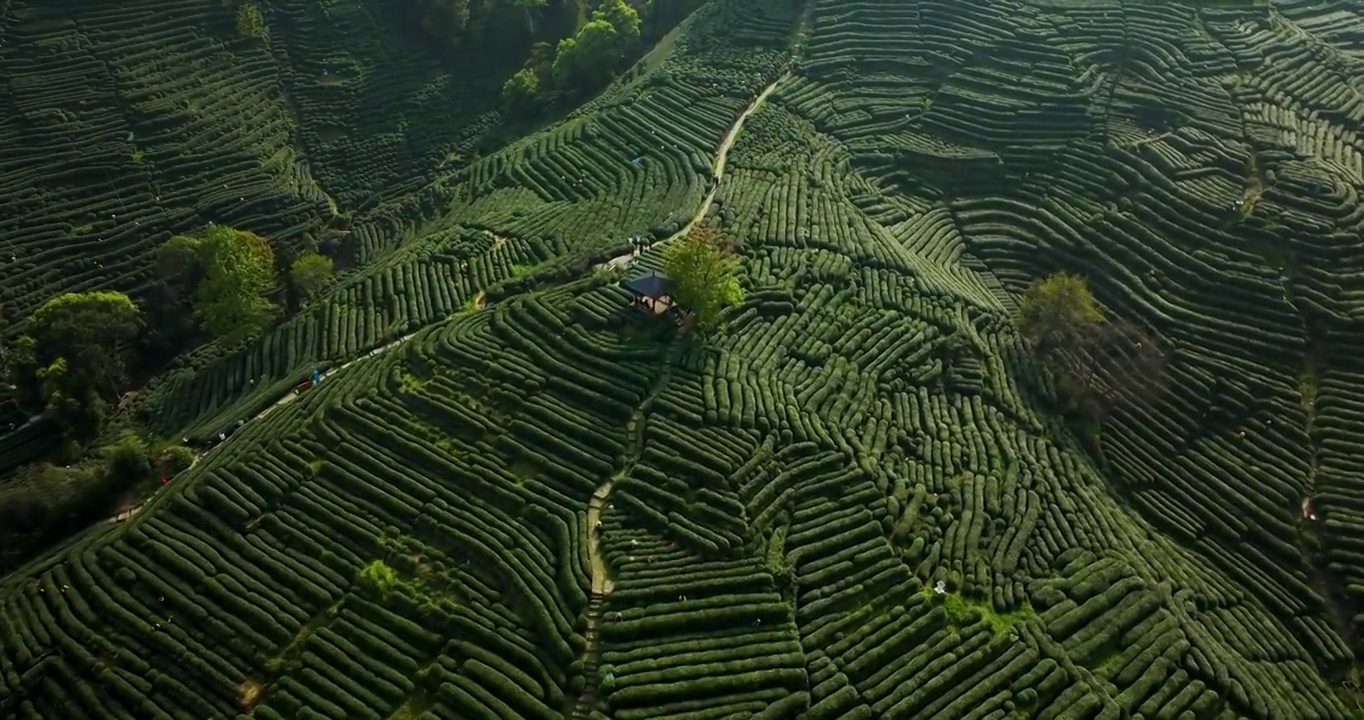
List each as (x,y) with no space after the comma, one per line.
(249,694)
(416,705)
(962,612)
(408,383)
(281,662)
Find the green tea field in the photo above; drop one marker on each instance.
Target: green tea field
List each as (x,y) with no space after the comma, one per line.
(515,495)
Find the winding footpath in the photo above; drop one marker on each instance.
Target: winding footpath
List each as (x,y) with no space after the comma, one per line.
(602,584)
(599,579)
(717,171)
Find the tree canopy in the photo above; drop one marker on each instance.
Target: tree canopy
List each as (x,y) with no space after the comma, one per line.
(230,272)
(1099,364)
(704,270)
(520,90)
(74,356)
(1057,307)
(309,273)
(595,52)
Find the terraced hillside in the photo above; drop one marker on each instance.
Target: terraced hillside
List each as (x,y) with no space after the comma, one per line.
(856,503)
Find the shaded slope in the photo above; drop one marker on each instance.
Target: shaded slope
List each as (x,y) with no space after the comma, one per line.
(635,160)
(866,430)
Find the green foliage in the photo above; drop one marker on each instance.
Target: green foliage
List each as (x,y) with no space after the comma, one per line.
(251,21)
(623,18)
(520,91)
(75,357)
(1058,306)
(1097,364)
(309,274)
(378,577)
(594,54)
(173,459)
(239,269)
(44,501)
(704,273)
(179,263)
(127,458)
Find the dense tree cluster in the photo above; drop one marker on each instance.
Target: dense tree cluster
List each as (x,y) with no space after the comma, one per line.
(570,49)
(227,274)
(589,58)
(73,360)
(80,354)
(46,501)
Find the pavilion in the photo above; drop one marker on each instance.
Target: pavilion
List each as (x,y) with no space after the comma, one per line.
(652,291)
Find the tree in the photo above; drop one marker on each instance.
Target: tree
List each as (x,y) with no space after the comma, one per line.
(623,18)
(521,89)
(589,57)
(309,274)
(250,21)
(1057,311)
(74,357)
(239,269)
(704,269)
(180,264)
(1099,365)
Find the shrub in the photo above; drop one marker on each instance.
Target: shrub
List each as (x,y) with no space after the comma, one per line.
(250,21)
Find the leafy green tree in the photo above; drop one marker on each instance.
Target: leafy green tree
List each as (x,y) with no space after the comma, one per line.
(378,576)
(75,355)
(588,58)
(1057,311)
(623,18)
(180,263)
(309,273)
(704,270)
(239,269)
(521,90)
(250,21)
(1098,365)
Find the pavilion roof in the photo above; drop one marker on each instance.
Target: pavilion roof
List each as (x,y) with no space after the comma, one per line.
(650,285)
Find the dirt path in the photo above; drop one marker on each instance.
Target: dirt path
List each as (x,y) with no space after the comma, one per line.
(600,583)
(717,170)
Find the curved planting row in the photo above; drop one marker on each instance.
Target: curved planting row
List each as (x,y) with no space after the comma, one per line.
(377,104)
(407,537)
(635,160)
(888,331)
(698,625)
(122,126)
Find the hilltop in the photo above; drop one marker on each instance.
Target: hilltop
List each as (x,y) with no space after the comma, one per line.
(516,496)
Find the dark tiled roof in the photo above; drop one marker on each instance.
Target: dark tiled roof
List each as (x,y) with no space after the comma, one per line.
(650,285)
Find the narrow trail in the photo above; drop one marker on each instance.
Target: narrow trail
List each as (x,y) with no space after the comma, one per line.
(602,584)
(717,172)
(718,164)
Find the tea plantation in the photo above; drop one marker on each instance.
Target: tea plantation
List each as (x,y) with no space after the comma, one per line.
(856,502)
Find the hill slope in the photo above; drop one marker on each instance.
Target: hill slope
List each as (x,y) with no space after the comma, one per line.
(776,510)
